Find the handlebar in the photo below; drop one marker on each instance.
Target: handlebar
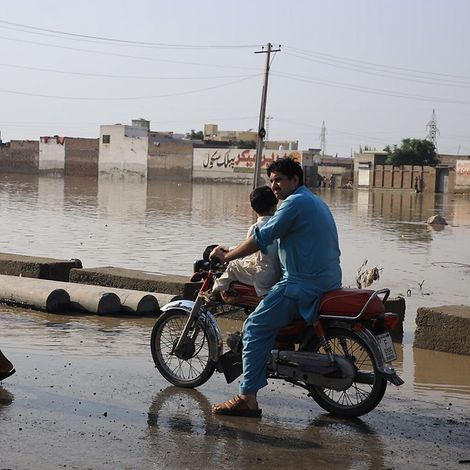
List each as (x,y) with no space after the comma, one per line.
(213,265)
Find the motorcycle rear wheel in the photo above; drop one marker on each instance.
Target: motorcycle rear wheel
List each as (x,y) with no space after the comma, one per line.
(196,367)
(359,398)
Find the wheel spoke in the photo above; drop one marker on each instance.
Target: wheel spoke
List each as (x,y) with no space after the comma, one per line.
(181,370)
(359,396)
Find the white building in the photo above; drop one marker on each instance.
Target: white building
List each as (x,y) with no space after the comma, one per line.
(124,149)
(52,155)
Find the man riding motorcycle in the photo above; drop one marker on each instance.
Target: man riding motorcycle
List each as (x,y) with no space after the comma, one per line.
(309,256)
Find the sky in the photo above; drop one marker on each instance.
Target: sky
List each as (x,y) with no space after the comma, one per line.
(372,70)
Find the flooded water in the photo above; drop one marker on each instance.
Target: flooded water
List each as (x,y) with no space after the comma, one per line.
(163,226)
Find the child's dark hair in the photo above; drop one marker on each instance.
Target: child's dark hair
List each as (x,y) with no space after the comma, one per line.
(262,199)
(288,167)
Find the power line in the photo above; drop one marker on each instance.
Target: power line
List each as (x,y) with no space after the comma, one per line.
(363,89)
(37,30)
(386,74)
(127,56)
(130,98)
(426,73)
(104,75)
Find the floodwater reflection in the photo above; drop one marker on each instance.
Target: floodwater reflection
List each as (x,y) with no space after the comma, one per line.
(443,373)
(181,421)
(6,398)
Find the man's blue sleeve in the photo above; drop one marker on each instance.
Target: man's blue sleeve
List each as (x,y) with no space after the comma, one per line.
(278,225)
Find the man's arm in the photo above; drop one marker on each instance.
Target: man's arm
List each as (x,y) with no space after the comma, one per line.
(245,248)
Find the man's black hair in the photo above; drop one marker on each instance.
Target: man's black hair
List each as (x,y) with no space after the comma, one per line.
(262,199)
(288,167)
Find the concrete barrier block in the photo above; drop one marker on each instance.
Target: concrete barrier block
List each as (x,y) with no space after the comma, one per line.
(37,267)
(445,328)
(132,279)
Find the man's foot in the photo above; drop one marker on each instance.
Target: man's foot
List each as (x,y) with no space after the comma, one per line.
(240,405)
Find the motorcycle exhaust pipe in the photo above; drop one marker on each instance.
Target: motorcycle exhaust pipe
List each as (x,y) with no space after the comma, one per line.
(313,369)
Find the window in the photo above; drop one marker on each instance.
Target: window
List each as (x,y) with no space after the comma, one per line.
(106,138)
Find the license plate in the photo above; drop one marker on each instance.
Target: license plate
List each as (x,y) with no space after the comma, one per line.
(387,347)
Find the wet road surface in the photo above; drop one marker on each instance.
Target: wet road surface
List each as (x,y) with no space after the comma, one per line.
(86,395)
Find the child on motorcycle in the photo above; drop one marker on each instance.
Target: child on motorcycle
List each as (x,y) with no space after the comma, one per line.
(259,269)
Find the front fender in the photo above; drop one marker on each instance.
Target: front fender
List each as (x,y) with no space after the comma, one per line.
(186,305)
(206,321)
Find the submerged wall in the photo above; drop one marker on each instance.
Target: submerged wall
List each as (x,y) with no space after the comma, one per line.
(20,156)
(170,159)
(81,157)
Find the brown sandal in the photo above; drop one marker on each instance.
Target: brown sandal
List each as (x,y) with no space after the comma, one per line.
(236,406)
(4,375)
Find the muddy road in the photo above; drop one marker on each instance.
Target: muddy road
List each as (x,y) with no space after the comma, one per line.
(87,396)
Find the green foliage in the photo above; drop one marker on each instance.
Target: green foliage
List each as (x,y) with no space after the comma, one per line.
(414,152)
(193,135)
(245,144)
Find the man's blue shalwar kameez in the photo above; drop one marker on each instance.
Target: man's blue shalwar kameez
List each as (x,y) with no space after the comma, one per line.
(309,255)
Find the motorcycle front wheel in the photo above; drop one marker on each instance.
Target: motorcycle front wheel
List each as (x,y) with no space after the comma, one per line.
(193,366)
(366,392)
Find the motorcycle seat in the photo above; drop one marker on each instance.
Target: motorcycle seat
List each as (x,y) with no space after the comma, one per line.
(345,301)
(349,302)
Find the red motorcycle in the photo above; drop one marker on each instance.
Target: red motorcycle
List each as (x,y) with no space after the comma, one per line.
(344,360)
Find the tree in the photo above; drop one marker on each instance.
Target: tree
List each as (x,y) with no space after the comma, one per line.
(244,144)
(193,135)
(414,152)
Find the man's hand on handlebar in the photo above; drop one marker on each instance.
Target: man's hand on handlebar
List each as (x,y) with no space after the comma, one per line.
(218,254)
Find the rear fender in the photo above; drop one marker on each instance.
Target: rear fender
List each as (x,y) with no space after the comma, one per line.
(370,339)
(365,334)
(205,321)
(385,368)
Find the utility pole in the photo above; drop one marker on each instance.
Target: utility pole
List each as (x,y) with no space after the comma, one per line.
(268,119)
(323,139)
(262,114)
(432,129)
